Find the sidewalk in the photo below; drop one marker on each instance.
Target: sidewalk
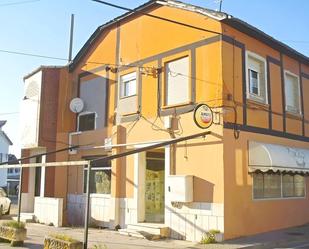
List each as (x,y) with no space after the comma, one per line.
(113,240)
(278,238)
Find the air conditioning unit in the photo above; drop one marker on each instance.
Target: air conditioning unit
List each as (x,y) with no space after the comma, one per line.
(180,188)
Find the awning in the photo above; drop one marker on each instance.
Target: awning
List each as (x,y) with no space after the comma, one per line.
(277,158)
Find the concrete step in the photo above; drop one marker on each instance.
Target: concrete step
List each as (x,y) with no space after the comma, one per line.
(129,232)
(147,230)
(139,234)
(151,228)
(25,217)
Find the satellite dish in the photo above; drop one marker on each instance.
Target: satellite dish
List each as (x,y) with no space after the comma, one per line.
(76,105)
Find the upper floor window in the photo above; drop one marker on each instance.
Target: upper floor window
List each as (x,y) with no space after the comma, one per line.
(292,93)
(86,121)
(177,81)
(256,78)
(128,85)
(93,91)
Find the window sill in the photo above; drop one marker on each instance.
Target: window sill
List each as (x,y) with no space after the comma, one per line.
(258,103)
(129,114)
(127,97)
(294,115)
(99,195)
(164,107)
(280,199)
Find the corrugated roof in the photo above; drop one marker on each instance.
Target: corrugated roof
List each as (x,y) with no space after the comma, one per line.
(220,16)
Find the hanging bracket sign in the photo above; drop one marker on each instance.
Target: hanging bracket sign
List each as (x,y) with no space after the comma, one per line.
(203,116)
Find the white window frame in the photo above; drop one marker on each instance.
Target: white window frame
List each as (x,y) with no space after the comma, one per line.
(125,79)
(86,113)
(189,83)
(287,72)
(85,171)
(281,195)
(252,96)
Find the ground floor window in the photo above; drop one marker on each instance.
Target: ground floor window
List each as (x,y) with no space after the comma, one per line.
(275,185)
(100,179)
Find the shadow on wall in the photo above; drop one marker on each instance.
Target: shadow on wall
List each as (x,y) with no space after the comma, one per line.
(205,188)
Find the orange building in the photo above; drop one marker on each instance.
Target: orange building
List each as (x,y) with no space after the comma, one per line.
(138,79)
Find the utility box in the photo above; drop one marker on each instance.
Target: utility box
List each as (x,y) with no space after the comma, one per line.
(180,188)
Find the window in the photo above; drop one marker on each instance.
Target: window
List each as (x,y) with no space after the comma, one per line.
(292,93)
(128,85)
(254,82)
(256,78)
(86,121)
(177,81)
(100,179)
(267,185)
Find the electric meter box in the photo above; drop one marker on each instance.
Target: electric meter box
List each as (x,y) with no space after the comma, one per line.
(180,188)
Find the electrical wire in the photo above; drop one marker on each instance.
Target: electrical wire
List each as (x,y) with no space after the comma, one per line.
(18,3)
(64,59)
(156,17)
(8,113)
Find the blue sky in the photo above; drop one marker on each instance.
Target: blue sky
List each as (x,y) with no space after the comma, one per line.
(42,27)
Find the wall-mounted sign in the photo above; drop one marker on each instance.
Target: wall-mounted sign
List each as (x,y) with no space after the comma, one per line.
(203,116)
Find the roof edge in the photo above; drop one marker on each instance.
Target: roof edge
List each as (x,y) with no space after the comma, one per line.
(258,34)
(40,68)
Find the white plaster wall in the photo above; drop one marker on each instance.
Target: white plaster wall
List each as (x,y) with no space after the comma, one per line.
(128,212)
(100,207)
(30,111)
(48,210)
(190,221)
(4,149)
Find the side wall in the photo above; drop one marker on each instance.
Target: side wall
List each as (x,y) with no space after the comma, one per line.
(264,122)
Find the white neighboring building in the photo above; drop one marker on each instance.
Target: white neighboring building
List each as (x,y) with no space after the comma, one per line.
(5,142)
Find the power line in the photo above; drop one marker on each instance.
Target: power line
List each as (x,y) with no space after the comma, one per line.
(32,55)
(65,59)
(8,113)
(18,3)
(156,17)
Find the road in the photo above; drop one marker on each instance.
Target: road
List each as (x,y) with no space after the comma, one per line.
(292,245)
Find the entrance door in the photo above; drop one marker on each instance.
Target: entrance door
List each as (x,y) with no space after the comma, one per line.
(154,191)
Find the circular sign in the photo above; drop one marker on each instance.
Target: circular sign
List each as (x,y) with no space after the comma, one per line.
(203,116)
(76,105)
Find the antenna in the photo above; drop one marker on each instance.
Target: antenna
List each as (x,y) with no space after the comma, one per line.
(71,38)
(221,1)
(220,4)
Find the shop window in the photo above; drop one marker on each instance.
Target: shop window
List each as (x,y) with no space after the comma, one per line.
(256,78)
(100,179)
(177,82)
(128,85)
(86,121)
(267,185)
(292,93)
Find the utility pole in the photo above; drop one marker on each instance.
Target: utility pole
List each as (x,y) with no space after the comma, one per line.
(71,38)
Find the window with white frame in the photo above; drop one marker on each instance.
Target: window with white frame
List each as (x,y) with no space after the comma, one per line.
(86,121)
(128,85)
(292,93)
(177,81)
(100,179)
(275,185)
(256,77)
